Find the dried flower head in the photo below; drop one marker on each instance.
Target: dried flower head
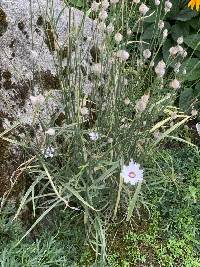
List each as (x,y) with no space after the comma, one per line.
(97,68)
(157,134)
(118,37)
(180,40)
(110,28)
(104,4)
(174,115)
(132,173)
(141,104)
(127,101)
(50,131)
(198,128)
(161,24)
(146,53)
(103,15)
(129,32)
(175,84)
(143,9)
(84,111)
(177,67)
(168,6)
(165,33)
(95,6)
(160,68)
(122,54)
(183,53)
(194,112)
(157,2)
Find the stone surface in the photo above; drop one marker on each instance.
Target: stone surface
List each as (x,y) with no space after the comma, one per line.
(38,40)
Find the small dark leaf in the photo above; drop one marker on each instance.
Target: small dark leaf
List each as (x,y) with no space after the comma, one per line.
(186,98)
(192,67)
(186,14)
(179,29)
(193,41)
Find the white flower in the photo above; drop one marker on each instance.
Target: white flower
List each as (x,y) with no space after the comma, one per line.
(103,15)
(157,2)
(37,100)
(105,4)
(160,68)
(118,37)
(97,68)
(132,173)
(146,53)
(94,136)
(143,9)
(168,6)
(110,28)
(165,33)
(175,84)
(180,40)
(50,131)
(122,54)
(94,6)
(136,1)
(48,152)
(161,24)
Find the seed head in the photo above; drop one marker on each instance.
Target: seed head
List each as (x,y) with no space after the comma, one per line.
(175,84)
(143,9)
(118,37)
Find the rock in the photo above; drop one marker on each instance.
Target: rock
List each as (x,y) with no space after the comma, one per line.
(41,42)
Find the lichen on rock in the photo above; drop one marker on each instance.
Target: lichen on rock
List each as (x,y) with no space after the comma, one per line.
(39,48)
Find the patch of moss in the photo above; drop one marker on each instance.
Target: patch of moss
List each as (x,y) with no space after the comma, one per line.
(50,38)
(40,21)
(63,52)
(48,80)
(4,157)
(6,75)
(3,22)
(21,26)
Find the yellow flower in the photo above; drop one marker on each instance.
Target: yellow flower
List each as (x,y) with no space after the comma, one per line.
(194,3)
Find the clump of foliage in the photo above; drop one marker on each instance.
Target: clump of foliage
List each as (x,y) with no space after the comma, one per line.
(82,163)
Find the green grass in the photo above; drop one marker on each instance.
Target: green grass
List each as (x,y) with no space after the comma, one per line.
(167,236)
(171,237)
